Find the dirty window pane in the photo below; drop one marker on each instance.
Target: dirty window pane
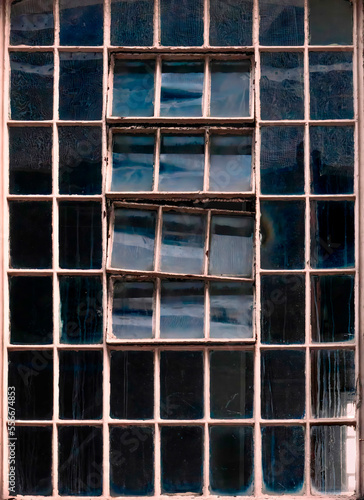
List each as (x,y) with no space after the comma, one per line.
(81,22)
(281,22)
(132,22)
(32,23)
(181,22)
(231,22)
(331,22)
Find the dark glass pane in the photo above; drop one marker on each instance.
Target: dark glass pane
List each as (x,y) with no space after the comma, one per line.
(231,22)
(30,234)
(30,160)
(80,235)
(81,309)
(31,92)
(282,234)
(181,22)
(281,22)
(132,22)
(281,86)
(332,308)
(32,23)
(231,310)
(331,22)
(132,162)
(181,378)
(80,86)
(80,460)
(80,160)
(283,459)
(31,374)
(230,88)
(132,313)
(231,384)
(33,461)
(282,160)
(131,385)
(332,234)
(331,85)
(131,461)
(133,91)
(182,163)
(31,309)
(283,309)
(231,460)
(181,460)
(283,384)
(81,22)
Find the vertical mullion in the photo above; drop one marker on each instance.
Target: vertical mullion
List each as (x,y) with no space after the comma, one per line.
(157,148)
(206,22)
(157,308)
(157,445)
(156,24)
(207,310)
(206,89)
(158,238)
(158,83)
(207,244)
(206,465)
(206,180)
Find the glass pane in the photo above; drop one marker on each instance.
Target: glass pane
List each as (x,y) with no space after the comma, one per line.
(332,234)
(282,234)
(80,160)
(231,245)
(283,309)
(181,379)
(182,310)
(132,162)
(80,86)
(283,384)
(32,23)
(132,22)
(182,88)
(181,460)
(131,461)
(231,22)
(132,385)
(332,308)
(331,85)
(230,88)
(133,91)
(31,309)
(230,163)
(331,22)
(30,160)
(281,86)
(132,313)
(231,460)
(81,22)
(282,160)
(31,92)
(183,243)
(231,310)
(30,234)
(283,459)
(231,384)
(181,22)
(281,22)
(182,163)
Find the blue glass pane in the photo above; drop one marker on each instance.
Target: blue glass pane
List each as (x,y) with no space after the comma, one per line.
(182,88)
(133,239)
(332,234)
(132,162)
(81,22)
(231,22)
(80,86)
(133,91)
(182,162)
(32,23)
(132,22)
(282,160)
(331,85)
(281,22)
(283,459)
(181,22)
(31,91)
(331,22)
(281,86)
(282,234)
(332,160)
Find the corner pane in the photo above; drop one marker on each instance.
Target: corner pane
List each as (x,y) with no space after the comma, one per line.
(331,22)
(31,23)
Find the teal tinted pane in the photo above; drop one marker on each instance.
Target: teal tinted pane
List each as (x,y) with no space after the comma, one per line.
(230,88)
(331,22)
(231,22)
(281,22)
(81,22)
(132,22)
(32,23)
(181,22)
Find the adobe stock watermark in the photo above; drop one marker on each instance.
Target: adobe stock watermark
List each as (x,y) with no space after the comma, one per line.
(11,439)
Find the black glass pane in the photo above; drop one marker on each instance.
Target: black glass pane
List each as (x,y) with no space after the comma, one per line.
(231,22)
(181,459)
(32,23)
(131,461)
(31,92)
(81,22)
(31,309)
(181,22)
(80,235)
(132,22)
(132,385)
(283,309)
(281,22)
(30,234)
(331,22)
(80,385)
(80,86)
(80,160)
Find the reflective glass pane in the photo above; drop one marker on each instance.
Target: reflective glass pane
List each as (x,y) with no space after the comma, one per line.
(32,23)
(281,22)
(331,22)
(132,22)
(81,22)
(181,22)
(231,22)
